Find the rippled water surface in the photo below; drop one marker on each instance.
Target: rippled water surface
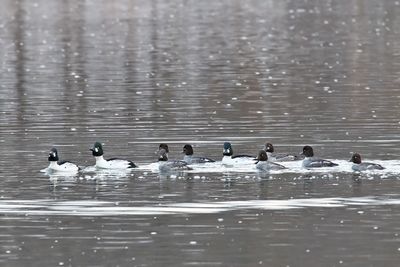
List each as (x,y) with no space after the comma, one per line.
(133,74)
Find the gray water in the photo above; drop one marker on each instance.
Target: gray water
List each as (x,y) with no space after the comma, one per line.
(133,74)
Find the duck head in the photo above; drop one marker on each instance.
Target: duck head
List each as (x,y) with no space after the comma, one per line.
(308,151)
(53,155)
(187,150)
(97,149)
(228,151)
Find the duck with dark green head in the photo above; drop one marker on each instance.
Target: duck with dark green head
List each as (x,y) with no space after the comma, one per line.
(113,163)
(60,166)
(230,159)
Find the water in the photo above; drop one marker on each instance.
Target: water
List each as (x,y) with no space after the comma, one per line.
(135,74)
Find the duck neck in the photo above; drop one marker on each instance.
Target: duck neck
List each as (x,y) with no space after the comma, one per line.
(53,164)
(100,159)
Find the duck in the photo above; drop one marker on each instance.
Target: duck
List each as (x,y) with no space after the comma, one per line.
(264,165)
(363,166)
(190,159)
(311,162)
(60,166)
(164,165)
(269,148)
(114,163)
(228,157)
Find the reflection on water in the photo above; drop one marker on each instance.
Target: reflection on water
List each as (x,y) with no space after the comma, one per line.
(133,74)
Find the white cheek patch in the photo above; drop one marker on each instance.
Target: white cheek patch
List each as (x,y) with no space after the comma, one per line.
(96,149)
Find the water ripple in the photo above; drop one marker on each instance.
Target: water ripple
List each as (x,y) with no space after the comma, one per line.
(105,208)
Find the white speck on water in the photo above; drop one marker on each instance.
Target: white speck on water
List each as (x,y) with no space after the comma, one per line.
(310,97)
(139,92)
(234,98)
(238,84)
(193,242)
(376,227)
(360,212)
(307,250)
(73,129)
(153,233)
(220,219)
